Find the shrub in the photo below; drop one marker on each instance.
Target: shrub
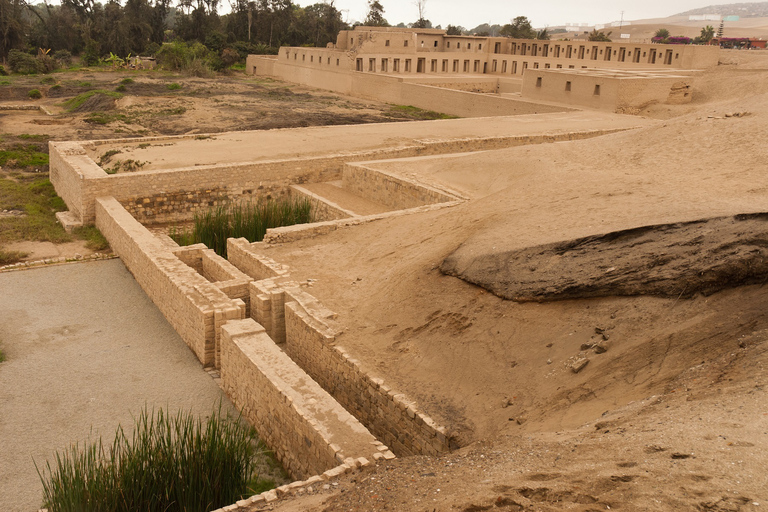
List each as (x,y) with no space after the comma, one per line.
(194,59)
(22,63)
(3,72)
(35,94)
(170,463)
(173,87)
(63,57)
(48,80)
(229,57)
(46,63)
(120,88)
(248,220)
(215,41)
(126,81)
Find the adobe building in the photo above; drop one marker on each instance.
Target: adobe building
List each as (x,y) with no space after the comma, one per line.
(397,64)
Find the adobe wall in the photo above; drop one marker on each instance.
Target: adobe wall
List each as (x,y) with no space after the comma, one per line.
(394,419)
(322,208)
(308,430)
(393,89)
(395,192)
(194,306)
(606,90)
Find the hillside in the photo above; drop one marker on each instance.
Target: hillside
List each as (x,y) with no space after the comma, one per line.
(745,10)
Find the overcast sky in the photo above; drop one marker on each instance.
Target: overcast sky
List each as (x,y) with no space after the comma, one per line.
(470,13)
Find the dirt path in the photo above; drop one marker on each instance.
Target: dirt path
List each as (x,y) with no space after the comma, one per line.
(85,351)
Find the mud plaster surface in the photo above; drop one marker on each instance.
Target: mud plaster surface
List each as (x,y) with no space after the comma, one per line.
(85,351)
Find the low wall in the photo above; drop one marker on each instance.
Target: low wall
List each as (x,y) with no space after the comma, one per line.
(194,306)
(392,191)
(308,430)
(322,208)
(291,316)
(394,419)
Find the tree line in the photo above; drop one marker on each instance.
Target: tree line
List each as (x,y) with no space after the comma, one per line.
(95,30)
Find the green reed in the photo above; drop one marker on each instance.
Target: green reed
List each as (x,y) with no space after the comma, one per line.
(169,463)
(248,220)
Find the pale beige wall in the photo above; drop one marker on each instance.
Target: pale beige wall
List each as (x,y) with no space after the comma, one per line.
(394,419)
(395,192)
(194,306)
(615,92)
(307,429)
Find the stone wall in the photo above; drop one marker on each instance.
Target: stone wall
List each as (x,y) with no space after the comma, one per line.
(308,430)
(392,191)
(294,317)
(322,208)
(195,307)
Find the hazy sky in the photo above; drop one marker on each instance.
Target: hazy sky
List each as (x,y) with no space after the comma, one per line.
(470,13)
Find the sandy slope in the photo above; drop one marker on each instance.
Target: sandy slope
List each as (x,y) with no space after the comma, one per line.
(498,372)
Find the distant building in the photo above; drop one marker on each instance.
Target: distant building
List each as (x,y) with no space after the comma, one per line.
(739,43)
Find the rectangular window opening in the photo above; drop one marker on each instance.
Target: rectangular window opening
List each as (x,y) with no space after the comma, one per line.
(568,85)
(538,81)
(597,90)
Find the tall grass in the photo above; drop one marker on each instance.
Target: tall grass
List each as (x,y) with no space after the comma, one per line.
(170,463)
(249,220)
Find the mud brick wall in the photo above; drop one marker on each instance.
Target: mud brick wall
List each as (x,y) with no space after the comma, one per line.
(395,192)
(389,415)
(195,307)
(307,429)
(240,253)
(322,209)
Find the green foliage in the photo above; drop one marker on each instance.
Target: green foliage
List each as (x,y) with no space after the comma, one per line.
(375,16)
(599,36)
(22,63)
(38,199)
(454,30)
(707,34)
(3,72)
(48,80)
(120,88)
(194,59)
(126,81)
(415,113)
(95,241)
(662,34)
(20,156)
(248,220)
(35,94)
(169,463)
(173,86)
(9,258)
(76,102)
(520,28)
(63,57)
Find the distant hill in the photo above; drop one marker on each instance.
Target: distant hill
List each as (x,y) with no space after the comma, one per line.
(745,10)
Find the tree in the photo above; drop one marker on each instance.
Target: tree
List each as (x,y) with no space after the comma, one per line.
(543,34)
(375,17)
(599,36)
(707,33)
(12,27)
(454,30)
(422,23)
(662,34)
(520,28)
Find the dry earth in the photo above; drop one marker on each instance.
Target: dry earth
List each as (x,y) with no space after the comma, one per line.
(673,415)
(669,413)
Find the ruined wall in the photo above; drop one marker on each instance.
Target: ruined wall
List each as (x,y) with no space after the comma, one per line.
(307,429)
(195,307)
(322,208)
(394,419)
(389,190)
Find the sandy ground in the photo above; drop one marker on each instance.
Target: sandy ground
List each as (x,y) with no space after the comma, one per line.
(316,141)
(85,351)
(680,376)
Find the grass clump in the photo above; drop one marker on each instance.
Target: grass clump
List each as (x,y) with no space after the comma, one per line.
(169,463)
(76,102)
(11,257)
(94,240)
(23,155)
(35,94)
(126,81)
(243,220)
(411,112)
(173,87)
(39,202)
